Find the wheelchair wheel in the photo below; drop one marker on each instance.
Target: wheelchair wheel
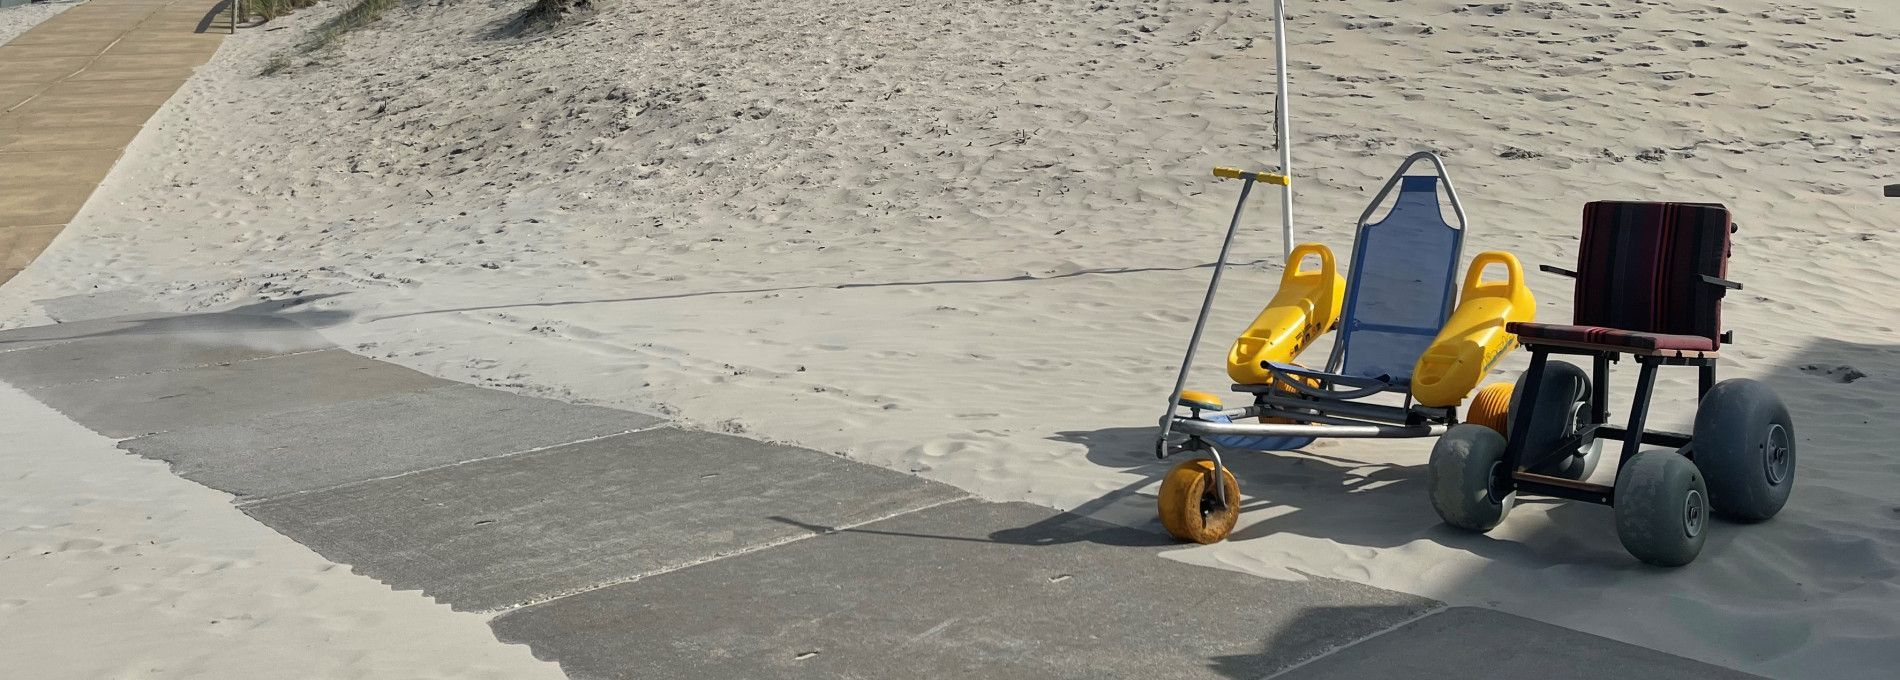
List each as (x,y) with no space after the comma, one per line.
(1745,446)
(1190,508)
(1662,508)
(1463,474)
(1563,409)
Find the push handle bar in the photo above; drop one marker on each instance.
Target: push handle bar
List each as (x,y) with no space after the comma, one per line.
(1264,177)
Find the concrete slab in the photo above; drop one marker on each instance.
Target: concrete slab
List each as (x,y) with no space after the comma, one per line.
(497,533)
(151,350)
(972,589)
(107,304)
(236,327)
(354,441)
(217,395)
(1468,643)
(13,140)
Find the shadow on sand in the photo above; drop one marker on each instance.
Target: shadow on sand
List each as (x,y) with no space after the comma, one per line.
(1104,271)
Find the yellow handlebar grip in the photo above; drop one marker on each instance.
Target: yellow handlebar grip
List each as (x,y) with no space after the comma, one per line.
(1267,177)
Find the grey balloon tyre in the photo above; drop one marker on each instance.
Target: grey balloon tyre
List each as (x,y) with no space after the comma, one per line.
(1463,471)
(1563,401)
(1662,508)
(1745,445)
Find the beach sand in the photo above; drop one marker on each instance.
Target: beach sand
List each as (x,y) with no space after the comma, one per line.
(967,241)
(15,20)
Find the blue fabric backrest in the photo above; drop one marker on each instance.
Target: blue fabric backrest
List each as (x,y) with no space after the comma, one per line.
(1402,285)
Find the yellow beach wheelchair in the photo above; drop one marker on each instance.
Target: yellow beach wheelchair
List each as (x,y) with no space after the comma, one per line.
(1411,347)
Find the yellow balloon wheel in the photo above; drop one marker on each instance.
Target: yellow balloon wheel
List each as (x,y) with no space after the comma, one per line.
(1190,509)
(1492,407)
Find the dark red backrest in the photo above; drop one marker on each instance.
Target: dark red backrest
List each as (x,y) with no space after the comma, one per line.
(1640,264)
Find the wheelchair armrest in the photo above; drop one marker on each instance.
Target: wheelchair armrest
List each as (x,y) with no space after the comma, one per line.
(1718,281)
(1560,271)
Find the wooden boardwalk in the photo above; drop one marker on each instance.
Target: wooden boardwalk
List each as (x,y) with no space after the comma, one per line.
(74,91)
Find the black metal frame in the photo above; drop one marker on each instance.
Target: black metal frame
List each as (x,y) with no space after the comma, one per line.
(1515,475)
(1272,401)
(1275,401)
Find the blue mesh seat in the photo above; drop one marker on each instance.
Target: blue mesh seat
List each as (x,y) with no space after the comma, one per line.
(1400,290)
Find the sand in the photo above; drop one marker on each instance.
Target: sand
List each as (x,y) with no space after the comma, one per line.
(142,574)
(15,20)
(966,241)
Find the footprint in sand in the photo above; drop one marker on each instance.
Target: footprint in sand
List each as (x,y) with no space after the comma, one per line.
(1841,374)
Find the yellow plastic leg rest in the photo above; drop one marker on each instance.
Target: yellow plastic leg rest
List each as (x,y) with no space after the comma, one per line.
(1306,305)
(1474,339)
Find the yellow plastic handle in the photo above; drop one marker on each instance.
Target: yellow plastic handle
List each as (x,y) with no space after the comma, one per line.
(1514,272)
(1296,260)
(1267,177)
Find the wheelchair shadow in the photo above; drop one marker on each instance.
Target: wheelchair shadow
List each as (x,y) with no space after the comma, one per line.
(257,320)
(1342,493)
(1553,558)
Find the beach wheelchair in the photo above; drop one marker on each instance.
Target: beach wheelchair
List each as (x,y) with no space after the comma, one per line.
(1411,346)
(1649,284)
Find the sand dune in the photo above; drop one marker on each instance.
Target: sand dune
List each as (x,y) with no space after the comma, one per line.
(966,241)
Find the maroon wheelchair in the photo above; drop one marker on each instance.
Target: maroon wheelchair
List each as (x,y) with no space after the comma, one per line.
(1650,280)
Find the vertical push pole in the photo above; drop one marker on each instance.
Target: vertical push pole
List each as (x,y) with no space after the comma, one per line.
(1200,322)
(1283,128)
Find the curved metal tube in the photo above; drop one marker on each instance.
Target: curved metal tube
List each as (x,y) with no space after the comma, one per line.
(1200,322)
(1444,177)
(1205,428)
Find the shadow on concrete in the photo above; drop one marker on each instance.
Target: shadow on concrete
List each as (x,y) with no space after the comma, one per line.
(1294,642)
(1058,529)
(1841,397)
(272,315)
(1352,502)
(218,16)
(1460,643)
(842,286)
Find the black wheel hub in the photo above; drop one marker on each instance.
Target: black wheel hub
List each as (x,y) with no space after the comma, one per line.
(1692,515)
(1777,458)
